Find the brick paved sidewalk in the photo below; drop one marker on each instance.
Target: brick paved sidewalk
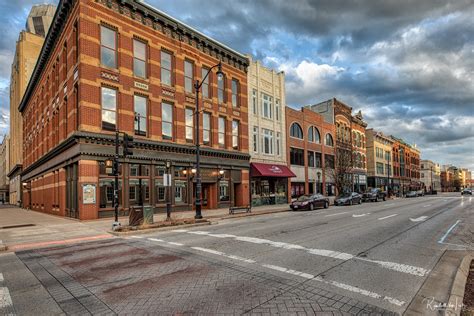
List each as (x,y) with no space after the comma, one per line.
(136,278)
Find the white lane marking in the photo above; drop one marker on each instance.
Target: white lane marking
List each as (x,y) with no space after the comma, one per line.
(156,239)
(419,219)
(448,232)
(347,287)
(400,267)
(335,214)
(360,215)
(175,243)
(1,277)
(381,218)
(390,204)
(5,298)
(219,253)
(427,205)
(136,237)
(179,230)
(418,271)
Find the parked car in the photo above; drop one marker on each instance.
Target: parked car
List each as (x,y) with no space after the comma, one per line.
(310,202)
(374,195)
(348,199)
(420,193)
(466,191)
(411,194)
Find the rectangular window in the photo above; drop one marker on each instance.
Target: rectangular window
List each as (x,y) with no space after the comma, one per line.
(205,83)
(318,160)
(132,194)
(166,68)
(159,190)
(109,108)
(189,119)
(296,156)
(277,110)
(267,142)
(108,47)
(267,107)
(278,144)
(311,161)
(223,191)
(221,89)
(329,161)
(189,76)
(139,58)
(254,101)
(206,128)
(167,120)
(180,191)
(379,168)
(221,131)
(235,134)
(235,93)
(255,139)
(140,114)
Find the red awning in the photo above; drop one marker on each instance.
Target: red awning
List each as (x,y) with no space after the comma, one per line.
(269,170)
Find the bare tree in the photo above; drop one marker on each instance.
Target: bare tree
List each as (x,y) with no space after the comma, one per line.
(341,170)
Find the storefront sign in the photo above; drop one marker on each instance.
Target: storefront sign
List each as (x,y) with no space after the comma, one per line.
(88,193)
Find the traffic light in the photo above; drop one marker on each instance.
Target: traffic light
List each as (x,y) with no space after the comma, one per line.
(128,145)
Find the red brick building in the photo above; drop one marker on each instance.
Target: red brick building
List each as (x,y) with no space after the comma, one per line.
(350,139)
(310,150)
(406,167)
(108,65)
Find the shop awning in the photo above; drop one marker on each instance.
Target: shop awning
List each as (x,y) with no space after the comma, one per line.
(270,170)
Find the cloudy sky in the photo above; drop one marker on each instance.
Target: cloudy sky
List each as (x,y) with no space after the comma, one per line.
(408,65)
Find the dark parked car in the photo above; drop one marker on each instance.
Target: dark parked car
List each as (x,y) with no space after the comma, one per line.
(348,199)
(310,202)
(374,195)
(411,194)
(466,191)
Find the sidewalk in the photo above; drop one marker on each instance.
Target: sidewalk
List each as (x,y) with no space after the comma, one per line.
(23,229)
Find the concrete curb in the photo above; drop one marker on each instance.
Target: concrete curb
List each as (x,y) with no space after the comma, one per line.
(158,229)
(457,289)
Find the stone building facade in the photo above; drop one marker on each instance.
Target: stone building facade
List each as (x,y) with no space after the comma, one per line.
(4,167)
(267,132)
(310,152)
(28,47)
(379,160)
(124,65)
(430,175)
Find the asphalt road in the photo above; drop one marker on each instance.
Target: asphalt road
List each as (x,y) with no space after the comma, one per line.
(369,259)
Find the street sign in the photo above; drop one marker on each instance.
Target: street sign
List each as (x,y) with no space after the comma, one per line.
(167,180)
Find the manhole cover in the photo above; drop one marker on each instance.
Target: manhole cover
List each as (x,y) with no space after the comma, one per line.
(17,226)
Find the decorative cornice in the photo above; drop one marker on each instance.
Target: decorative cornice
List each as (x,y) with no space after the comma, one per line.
(55,31)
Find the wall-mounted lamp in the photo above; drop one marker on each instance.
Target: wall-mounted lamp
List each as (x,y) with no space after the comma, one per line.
(221,174)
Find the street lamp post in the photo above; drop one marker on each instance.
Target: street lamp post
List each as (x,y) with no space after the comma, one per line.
(431,174)
(388,175)
(197,86)
(168,191)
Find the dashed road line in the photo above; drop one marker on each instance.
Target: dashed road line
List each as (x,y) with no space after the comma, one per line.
(399,267)
(5,297)
(335,214)
(219,253)
(427,205)
(175,243)
(385,217)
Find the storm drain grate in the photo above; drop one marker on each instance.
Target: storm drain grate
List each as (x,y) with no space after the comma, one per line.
(17,226)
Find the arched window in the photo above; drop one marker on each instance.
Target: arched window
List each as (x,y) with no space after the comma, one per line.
(329,141)
(313,135)
(296,131)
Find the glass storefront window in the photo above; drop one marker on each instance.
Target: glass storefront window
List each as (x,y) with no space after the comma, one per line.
(137,191)
(106,193)
(159,191)
(180,191)
(224,191)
